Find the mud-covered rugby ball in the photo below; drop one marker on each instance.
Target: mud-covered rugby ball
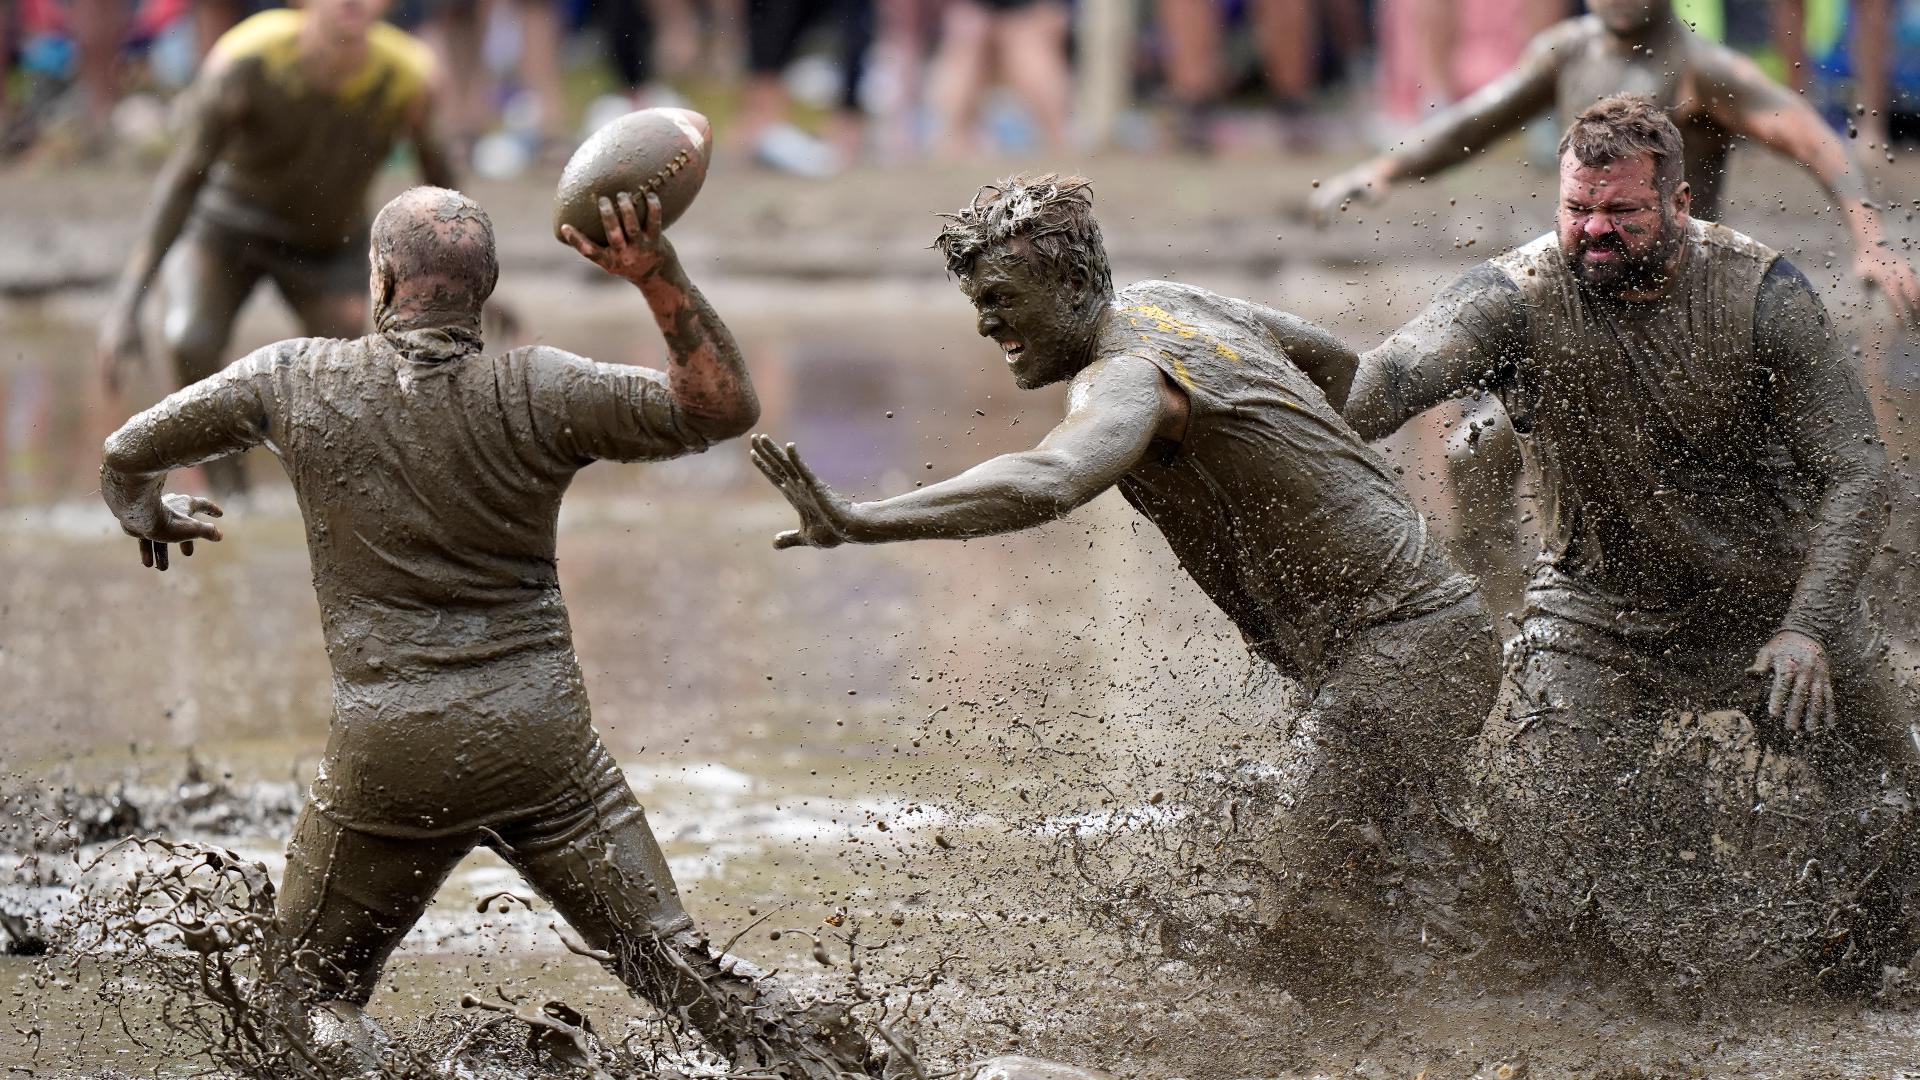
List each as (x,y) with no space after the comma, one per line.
(665,151)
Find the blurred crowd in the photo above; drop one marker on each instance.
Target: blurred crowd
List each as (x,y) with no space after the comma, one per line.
(814,86)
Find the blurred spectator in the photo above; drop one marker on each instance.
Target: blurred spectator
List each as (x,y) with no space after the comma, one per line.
(99,31)
(1870,49)
(775,31)
(1288,35)
(1028,39)
(1435,52)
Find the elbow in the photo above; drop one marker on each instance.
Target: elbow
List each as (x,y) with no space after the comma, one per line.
(731,424)
(121,452)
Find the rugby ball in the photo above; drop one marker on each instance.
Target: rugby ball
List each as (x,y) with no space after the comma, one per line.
(665,151)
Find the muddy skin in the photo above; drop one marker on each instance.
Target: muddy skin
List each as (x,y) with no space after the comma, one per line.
(285,128)
(1195,406)
(1712,488)
(430,478)
(1715,97)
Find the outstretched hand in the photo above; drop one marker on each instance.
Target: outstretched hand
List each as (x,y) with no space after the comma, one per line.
(826,516)
(1891,274)
(1802,681)
(635,249)
(1362,183)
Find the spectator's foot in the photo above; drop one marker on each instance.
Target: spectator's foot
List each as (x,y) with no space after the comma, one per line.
(787,149)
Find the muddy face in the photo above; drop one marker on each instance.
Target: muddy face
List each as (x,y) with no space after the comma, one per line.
(1616,231)
(1629,16)
(1044,324)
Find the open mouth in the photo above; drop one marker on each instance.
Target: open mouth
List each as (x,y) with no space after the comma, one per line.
(1013,349)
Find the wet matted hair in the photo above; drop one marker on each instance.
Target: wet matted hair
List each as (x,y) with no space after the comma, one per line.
(1624,125)
(438,236)
(1051,212)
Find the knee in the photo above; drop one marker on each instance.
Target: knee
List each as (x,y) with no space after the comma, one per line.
(195,340)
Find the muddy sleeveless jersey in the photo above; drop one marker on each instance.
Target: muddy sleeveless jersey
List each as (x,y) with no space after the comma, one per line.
(431,491)
(1296,529)
(1711,451)
(298,159)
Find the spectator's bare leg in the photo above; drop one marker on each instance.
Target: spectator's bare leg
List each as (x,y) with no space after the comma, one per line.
(540,65)
(99,28)
(456,35)
(1190,39)
(959,78)
(1032,45)
(1872,61)
(1790,40)
(902,48)
(212,18)
(1288,35)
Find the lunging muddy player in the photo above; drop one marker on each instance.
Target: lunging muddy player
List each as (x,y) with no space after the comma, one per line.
(1713,488)
(285,127)
(1715,96)
(430,477)
(1219,420)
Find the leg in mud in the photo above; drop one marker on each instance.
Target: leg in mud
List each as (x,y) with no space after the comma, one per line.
(328,293)
(1371,784)
(207,279)
(1650,806)
(1483,472)
(602,870)
(346,901)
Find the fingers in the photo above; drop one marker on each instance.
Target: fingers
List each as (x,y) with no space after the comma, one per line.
(160,557)
(656,217)
(198,505)
(616,237)
(800,470)
(768,460)
(1796,712)
(1820,701)
(581,244)
(186,547)
(788,539)
(1782,679)
(146,553)
(630,217)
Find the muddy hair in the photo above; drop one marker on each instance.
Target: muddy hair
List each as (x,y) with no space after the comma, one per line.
(1051,212)
(437,248)
(1622,126)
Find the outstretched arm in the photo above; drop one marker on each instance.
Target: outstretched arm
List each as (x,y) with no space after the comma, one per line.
(1471,124)
(712,392)
(1748,103)
(217,416)
(1114,410)
(1466,339)
(209,115)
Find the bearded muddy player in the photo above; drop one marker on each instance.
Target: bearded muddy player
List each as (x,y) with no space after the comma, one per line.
(1715,96)
(285,127)
(1713,488)
(1219,420)
(430,477)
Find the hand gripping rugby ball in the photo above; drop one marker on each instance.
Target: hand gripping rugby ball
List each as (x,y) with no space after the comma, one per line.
(664,151)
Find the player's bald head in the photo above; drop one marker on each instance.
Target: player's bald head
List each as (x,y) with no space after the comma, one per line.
(433,252)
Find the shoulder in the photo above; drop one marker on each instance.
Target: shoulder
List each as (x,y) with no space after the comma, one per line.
(1565,37)
(267,34)
(1786,294)
(1731,242)
(1155,293)
(402,53)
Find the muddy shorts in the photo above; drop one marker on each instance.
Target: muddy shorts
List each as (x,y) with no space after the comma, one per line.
(215,268)
(349,896)
(1643,797)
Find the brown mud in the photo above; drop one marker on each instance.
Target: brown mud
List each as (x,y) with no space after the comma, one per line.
(1003,690)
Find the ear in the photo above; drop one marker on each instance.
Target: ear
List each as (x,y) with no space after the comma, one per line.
(1682,200)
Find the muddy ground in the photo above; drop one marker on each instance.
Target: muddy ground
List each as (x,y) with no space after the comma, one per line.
(842,738)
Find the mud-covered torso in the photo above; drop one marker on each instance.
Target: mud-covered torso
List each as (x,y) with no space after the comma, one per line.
(300,158)
(1652,424)
(1595,68)
(1297,530)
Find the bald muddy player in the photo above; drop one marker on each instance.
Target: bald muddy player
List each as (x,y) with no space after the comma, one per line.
(1219,420)
(285,127)
(1716,96)
(430,477)
(1711,764)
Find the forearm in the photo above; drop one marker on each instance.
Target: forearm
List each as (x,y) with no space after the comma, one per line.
(705,370)
(1007,494)
(222,414)
(178,187)
(1848,524)
(1469,125)
(1465,340)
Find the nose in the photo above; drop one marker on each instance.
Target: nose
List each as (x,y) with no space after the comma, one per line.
(989,324)
(1596,225)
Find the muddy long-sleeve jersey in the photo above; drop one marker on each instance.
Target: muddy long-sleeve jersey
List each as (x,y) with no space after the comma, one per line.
(1694,452)
(430,478)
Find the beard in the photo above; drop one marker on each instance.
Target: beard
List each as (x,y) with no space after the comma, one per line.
(1627,271)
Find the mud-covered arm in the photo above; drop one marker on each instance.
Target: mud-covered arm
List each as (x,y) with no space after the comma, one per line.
(1828,426)
(1114,410)
(209,111)
(1466,339)
(220,415)
(709,395)
(1746,102)
(1325,358)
